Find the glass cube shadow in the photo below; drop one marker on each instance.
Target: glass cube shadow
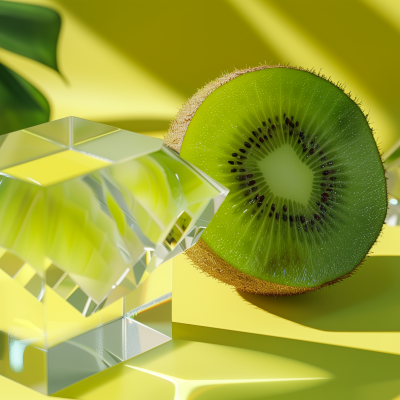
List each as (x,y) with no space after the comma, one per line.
(90,216)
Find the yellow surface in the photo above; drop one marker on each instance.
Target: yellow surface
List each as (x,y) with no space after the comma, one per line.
(182,370)
(56,168)
(388,243)
(257,367)
(136,78)
(357,313)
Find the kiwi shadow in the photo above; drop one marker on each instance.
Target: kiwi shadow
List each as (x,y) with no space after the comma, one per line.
(368,301)
(357,374)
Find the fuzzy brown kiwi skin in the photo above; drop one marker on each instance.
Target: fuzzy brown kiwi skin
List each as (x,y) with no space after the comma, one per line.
(201,255)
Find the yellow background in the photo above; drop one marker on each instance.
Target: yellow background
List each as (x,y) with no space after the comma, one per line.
(132,64)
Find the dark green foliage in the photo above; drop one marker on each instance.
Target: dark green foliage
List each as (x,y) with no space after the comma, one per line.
(31,31)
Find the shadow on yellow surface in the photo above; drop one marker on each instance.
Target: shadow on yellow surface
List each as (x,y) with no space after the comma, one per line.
(357,374)
(183,370)
(140,125)
(365,302)
(344,44)
(184,44)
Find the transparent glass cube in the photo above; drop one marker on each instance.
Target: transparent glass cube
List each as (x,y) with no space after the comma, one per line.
(90,216)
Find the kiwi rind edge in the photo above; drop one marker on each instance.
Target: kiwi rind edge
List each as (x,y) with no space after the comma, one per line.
(201,255)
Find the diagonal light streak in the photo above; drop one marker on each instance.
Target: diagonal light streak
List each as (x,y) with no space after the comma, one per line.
(298,48)
(387,9)
(185,387)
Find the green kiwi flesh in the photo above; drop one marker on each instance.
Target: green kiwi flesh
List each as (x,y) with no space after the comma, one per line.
(307,187)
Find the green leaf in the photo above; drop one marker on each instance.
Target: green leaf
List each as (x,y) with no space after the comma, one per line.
(30,30)
(21,105)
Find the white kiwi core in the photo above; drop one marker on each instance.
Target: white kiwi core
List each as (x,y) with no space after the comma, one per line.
(286,175)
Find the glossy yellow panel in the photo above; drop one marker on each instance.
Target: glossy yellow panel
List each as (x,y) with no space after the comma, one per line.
(358,312)
(55,168)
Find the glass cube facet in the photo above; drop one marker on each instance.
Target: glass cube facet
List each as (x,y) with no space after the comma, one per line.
(392,165)
(88,212)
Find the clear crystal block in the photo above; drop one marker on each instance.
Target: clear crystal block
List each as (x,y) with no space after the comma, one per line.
(90,215)
(392,165)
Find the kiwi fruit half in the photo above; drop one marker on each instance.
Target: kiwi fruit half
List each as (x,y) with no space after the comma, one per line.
(307,186)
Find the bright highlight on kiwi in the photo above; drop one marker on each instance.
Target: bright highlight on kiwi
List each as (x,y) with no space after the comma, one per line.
(307,186)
